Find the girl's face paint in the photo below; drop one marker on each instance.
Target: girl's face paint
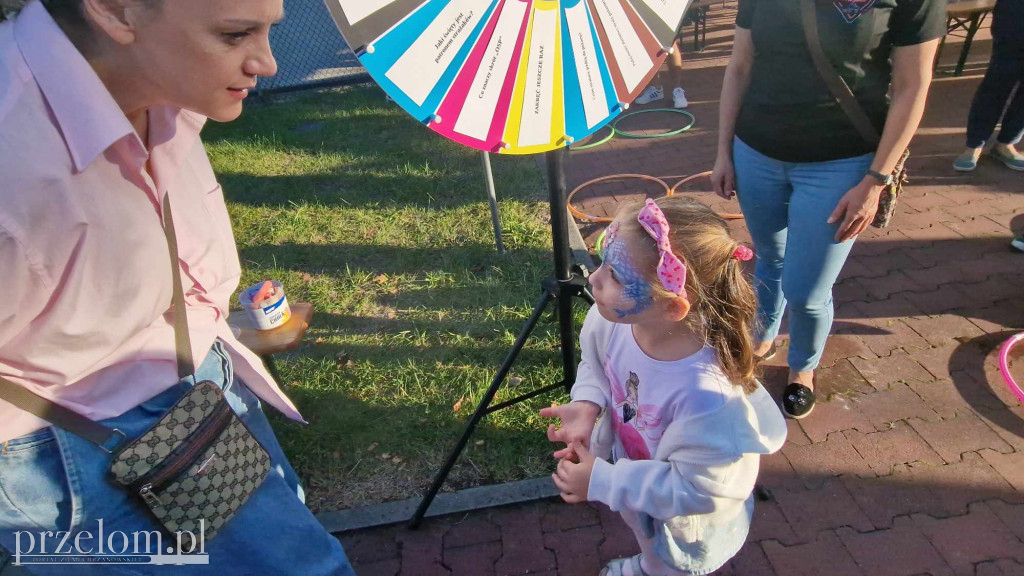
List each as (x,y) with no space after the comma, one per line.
(635,292)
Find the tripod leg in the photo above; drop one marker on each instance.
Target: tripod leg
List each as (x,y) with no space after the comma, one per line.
(481,409)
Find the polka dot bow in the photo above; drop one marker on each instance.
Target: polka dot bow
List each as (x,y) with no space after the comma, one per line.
(671,270)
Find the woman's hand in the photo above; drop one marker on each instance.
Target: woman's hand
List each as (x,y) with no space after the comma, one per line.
(857,209)
(573,478)
(723,177)
(577,424)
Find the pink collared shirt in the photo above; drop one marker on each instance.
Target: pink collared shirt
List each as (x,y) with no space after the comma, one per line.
(85,281)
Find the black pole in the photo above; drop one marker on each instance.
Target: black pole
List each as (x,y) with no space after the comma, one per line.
(561,289)
(563,270)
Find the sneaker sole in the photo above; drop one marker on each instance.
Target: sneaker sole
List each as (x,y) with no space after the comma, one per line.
(964,168)
(1017,245)
(794,417)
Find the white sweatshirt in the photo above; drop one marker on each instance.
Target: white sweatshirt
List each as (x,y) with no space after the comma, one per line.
(687,441)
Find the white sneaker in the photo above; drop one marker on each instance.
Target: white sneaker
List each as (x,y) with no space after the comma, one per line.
(679,98)
(651,94)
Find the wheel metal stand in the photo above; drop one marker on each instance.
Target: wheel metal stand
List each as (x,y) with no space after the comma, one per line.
(561,290)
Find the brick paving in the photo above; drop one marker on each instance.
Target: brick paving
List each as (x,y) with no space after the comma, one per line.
(912,464)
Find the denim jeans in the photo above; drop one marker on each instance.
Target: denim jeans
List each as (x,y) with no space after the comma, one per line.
(51,480)
(991,99)
(786,206)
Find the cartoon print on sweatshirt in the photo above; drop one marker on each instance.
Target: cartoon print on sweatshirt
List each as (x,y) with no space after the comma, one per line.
(634,423)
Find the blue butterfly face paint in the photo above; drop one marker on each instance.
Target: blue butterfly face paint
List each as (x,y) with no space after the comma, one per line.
(635,287)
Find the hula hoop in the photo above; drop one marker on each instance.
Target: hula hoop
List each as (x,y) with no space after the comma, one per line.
(588,145)
(1004,364)
(588,218)
(625,134)
(723,215)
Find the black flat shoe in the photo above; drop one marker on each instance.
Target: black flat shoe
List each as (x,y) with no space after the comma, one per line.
(797,401)
(767,355)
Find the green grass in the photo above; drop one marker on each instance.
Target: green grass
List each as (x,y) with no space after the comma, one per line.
(384,226)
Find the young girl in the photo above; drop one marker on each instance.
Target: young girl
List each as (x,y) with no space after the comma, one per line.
(668,359)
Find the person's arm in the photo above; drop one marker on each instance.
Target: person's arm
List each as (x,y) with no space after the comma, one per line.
(734,88)
(911,77)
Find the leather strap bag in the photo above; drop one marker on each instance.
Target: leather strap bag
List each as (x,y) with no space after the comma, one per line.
(842,93)
(197,465)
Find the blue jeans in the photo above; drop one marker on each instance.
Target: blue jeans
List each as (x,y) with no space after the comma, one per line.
(787,204)
(51,480)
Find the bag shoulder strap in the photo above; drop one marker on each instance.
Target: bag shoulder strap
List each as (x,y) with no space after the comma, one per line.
(106,438)
(836,85)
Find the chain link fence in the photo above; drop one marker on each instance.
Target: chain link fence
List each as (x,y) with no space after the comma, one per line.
(310,51)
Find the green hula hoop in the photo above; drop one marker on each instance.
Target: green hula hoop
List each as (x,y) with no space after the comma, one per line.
(625,134)
(588,145)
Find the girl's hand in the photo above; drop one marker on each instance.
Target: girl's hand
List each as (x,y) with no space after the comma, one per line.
(857,209)
(572,478)
(723,177)
(577,424)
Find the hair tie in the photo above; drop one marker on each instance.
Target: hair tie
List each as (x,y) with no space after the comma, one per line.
(743,253)
(671,270)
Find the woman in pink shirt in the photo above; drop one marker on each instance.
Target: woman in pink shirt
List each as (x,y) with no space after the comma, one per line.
(101,105)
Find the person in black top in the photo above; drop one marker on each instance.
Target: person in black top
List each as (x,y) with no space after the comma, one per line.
(805,177)
(1005,70)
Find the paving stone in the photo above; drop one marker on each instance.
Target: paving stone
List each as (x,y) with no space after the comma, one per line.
(955,486)
(777,472)
(522,541)
(379,568)
(1011,514)
(942,396)
(897,367)
(887,497)
(749,561)
(839,413)
(893,446)
(1008,424)
(895,282)
(966,540)
(891,334)
(835,456)
(795,433)
(769,523)
(964,433)
(371,545)
(825,555)
(561,516)
(900,550)
(472,530)
(940,330)
(422,549)
(1009,466)
(829,505)
(576,550)
(842,378)
(838,347)
(477,559)
(1010,568)
(935,360)
(898,403)
(619,541)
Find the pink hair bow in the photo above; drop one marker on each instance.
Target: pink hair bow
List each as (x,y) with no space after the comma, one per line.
(742,253)
(671,270)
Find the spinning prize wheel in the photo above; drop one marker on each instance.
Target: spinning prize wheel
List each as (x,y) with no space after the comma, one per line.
(512,76)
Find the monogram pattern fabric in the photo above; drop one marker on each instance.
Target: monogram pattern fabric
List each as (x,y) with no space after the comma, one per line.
(218,480)
(138,458)
(891,193)
(215,486)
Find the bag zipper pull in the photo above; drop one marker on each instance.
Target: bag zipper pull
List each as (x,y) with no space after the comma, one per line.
(147,494)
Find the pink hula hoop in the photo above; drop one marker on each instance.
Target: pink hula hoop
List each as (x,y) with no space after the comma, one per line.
(1004,364)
